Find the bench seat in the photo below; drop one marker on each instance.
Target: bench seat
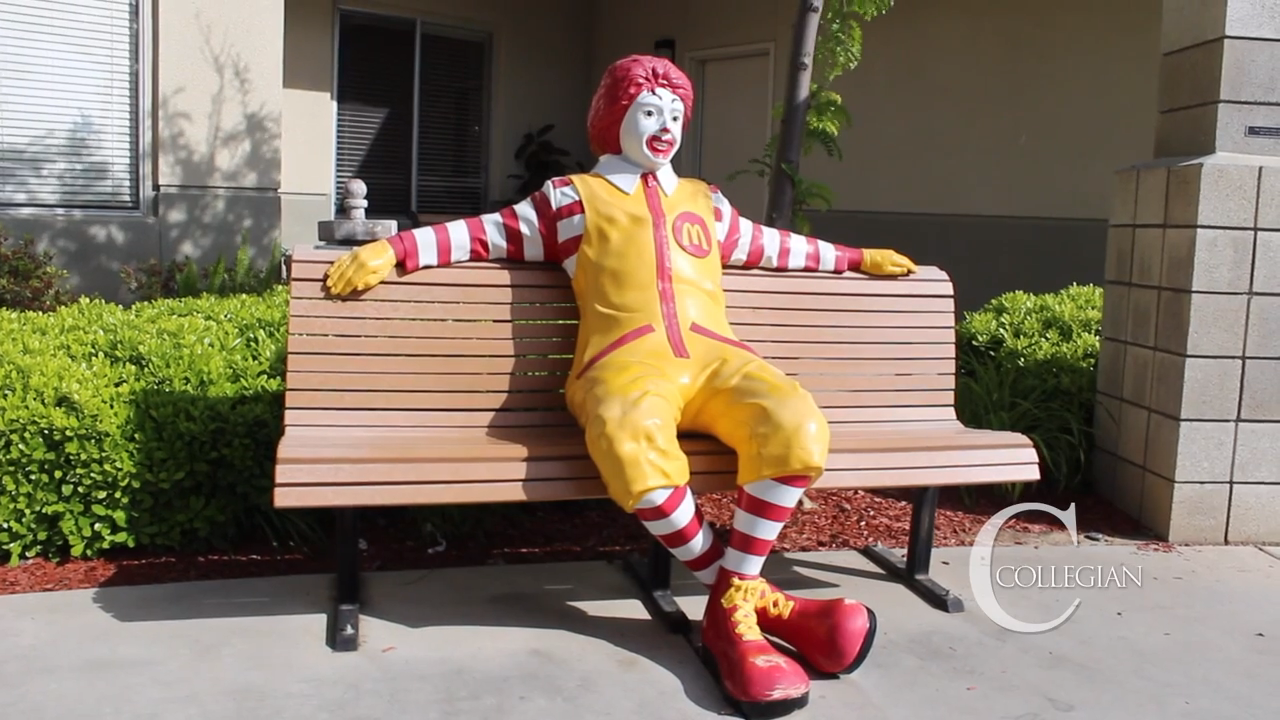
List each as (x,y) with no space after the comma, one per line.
(320,467)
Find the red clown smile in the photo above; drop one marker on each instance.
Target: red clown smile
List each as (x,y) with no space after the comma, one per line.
(660,146)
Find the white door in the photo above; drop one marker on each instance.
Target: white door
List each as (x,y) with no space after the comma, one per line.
(732,112)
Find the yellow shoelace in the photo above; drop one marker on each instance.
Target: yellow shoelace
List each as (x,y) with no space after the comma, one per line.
(745,597)
(774,602)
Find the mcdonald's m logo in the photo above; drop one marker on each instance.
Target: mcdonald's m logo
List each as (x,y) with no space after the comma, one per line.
(691,234)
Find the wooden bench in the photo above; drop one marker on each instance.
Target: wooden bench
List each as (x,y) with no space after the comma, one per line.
(445,387)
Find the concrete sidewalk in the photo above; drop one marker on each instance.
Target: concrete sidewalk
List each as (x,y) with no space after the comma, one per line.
(1199,639)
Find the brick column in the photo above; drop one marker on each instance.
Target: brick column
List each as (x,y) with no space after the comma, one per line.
(1188,416)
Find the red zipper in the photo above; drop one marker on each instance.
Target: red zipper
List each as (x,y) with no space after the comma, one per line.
(666,292)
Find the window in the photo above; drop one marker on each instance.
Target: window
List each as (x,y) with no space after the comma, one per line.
(412,103)
(69,120)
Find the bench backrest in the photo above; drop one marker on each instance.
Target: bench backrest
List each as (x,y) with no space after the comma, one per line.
(490,344)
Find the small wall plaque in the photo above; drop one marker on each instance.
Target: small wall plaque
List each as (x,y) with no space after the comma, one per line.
(1262,131)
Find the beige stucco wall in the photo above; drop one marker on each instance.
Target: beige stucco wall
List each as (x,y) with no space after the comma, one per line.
(999,107)
(983,107)
(539,76)
(219,82)
(216,115)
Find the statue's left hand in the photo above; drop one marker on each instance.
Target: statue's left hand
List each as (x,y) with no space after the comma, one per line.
(886,262)
(361,269)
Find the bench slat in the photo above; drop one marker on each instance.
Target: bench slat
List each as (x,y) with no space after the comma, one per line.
(468,330)
(379,309)
(554,400)
(426,347)
(777,301)
(302,446)
(564,468)
(420,382)
(313,263)
(396,364)
(551,419)
(314,496)
(928,282)
(373,400)
(474,274)
(497,295)
(429,418)
(745,318)
(374,310)
(453,330)
(296,380)
(393,364)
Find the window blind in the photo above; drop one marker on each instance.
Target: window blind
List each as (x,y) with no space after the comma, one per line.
(451,125)
(376,116)
(375,110)
(69,116)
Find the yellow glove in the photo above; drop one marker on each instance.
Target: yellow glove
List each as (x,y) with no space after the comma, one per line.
(886,262)
(361,268)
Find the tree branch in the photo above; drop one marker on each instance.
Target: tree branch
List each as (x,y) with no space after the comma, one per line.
(790,143)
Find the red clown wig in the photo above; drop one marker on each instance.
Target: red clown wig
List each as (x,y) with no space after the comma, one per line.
(623,82)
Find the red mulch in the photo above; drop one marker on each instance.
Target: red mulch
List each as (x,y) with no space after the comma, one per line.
(396,540)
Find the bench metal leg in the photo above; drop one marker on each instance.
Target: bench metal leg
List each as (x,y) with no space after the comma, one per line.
(344,620)
(653,574)
(913,571)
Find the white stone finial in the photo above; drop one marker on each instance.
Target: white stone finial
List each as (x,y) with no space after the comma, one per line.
(355,229)
(354,192)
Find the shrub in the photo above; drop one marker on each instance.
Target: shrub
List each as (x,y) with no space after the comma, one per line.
(153,425)
(1027,363)
(28,278)
(185,278)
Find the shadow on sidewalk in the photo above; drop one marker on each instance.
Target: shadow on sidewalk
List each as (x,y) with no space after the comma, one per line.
(591,599)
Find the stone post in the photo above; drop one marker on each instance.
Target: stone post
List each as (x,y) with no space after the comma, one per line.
(1188,414)
(355,229)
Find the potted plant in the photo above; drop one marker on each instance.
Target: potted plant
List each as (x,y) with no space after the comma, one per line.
(542,160)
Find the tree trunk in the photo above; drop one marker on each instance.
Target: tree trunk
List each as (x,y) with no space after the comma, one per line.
(791,140)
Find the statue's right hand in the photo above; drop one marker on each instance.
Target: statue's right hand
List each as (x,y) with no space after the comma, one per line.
(361,268)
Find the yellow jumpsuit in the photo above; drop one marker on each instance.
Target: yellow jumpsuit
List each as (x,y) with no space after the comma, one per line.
(655,354)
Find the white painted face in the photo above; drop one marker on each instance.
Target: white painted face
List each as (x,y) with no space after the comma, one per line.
(652,129)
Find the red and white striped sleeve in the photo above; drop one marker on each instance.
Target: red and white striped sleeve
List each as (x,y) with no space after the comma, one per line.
(544,227)
(748,244)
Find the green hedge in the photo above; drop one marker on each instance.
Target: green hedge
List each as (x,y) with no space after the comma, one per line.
(153,425)
(1027,363)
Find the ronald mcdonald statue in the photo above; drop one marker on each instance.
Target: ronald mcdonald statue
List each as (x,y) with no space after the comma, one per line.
(656,356)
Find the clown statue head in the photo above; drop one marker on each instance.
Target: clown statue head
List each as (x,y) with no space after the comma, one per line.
(640,112)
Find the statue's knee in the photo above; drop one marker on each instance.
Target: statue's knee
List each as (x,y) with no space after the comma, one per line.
(800,419)
(630,424)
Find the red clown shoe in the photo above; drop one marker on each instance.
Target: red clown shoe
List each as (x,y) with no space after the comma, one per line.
(833,635)
(762,681)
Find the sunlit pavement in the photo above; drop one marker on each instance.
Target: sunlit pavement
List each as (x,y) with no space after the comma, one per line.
(1189,634)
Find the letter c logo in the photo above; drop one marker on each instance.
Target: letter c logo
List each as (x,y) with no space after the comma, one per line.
(691,234)
(980,568)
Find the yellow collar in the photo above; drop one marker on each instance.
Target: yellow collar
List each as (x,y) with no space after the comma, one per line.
(624,174)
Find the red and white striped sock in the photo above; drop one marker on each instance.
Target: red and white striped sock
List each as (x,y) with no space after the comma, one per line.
(763,508)
(671,515)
